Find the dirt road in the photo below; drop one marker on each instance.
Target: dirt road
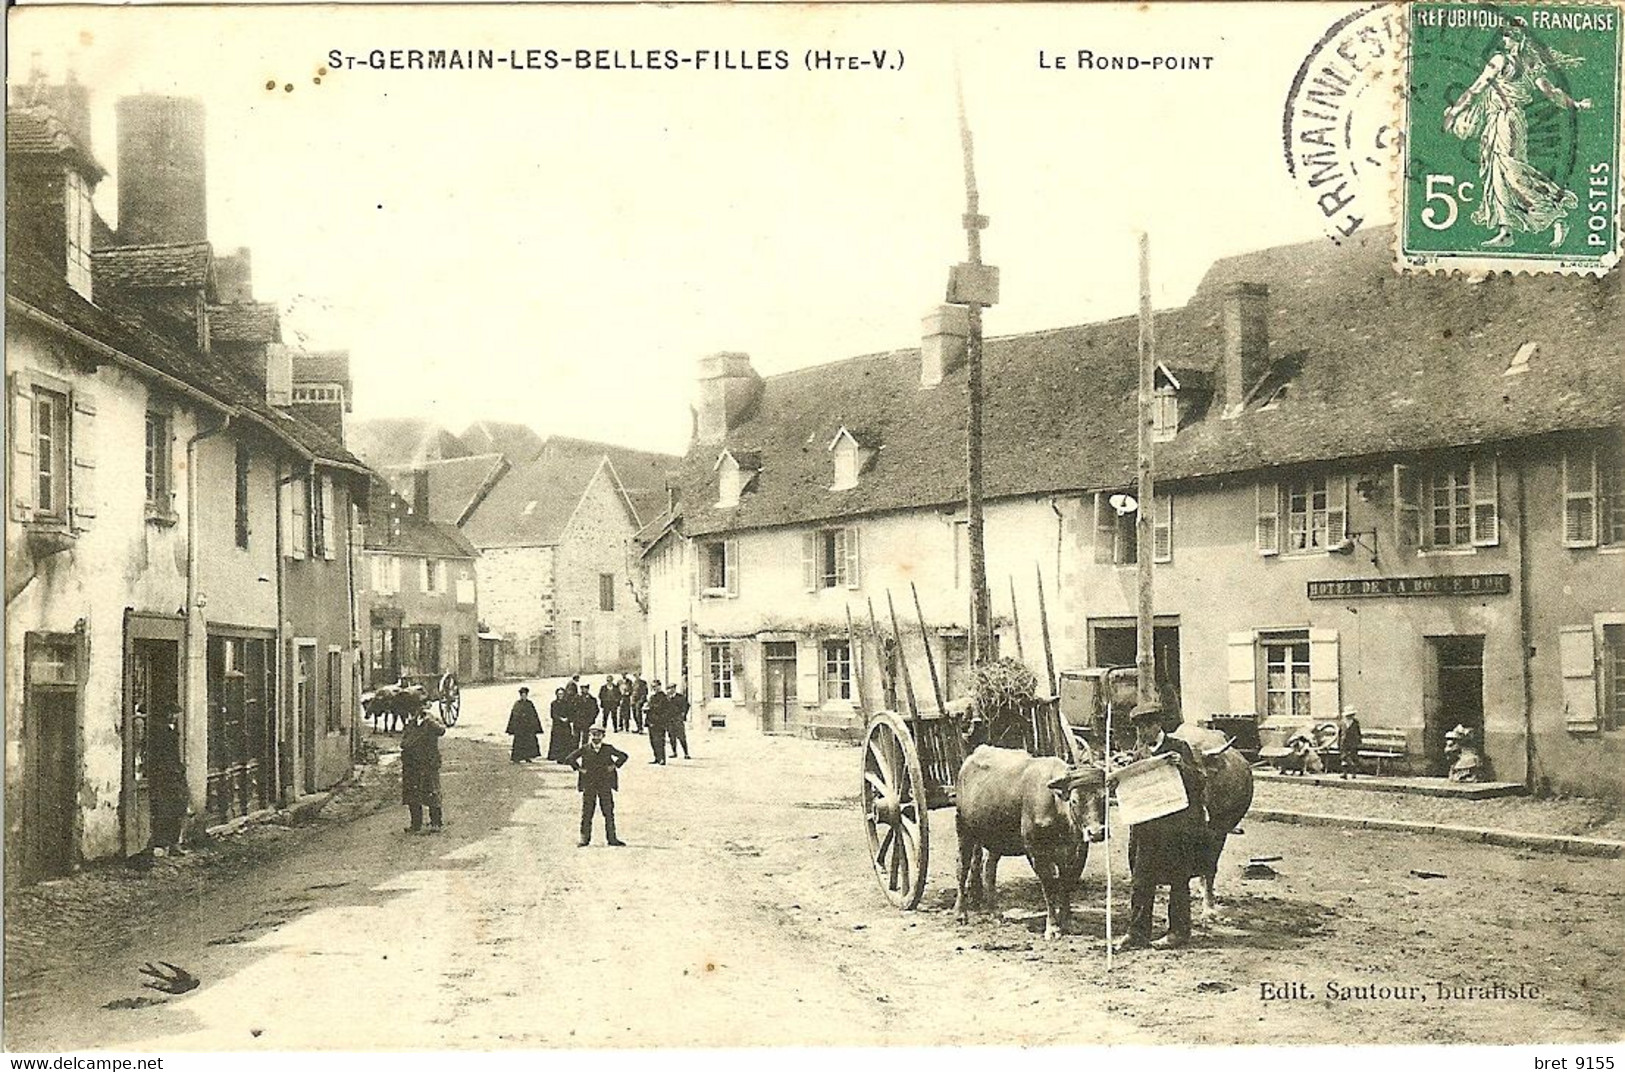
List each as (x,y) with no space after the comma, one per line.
(744,912)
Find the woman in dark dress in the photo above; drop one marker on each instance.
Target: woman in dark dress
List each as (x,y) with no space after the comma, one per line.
(563,741)
(524,725)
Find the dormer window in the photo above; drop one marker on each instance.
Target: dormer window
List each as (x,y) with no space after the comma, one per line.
(735,471)
(849,456)
(1178,395)
(78,214)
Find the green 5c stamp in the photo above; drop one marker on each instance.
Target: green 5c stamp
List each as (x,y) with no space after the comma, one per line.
(1512,137)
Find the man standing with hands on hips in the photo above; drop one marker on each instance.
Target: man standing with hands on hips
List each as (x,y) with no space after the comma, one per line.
(599,774)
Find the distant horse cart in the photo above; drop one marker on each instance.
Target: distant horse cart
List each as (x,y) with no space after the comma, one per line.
(389,706)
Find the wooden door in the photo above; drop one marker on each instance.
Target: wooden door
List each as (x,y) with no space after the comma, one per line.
(50,742)
(778,685)
(304,692)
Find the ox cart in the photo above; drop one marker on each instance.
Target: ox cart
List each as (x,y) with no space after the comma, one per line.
(414,692)
(911,764)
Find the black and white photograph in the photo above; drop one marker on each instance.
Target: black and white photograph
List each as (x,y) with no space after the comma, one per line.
(577,527)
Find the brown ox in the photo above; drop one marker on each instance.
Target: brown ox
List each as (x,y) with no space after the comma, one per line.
(1014,804)
(1229,791)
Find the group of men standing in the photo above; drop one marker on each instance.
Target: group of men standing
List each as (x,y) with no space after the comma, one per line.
(629,704)
(579,721)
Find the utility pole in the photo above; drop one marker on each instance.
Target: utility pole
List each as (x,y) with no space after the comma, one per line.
(975,285)
(1145,648)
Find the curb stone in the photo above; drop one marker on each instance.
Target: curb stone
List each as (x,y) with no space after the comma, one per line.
(1564,843)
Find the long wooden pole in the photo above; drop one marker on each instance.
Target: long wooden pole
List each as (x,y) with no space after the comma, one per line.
(925,641)
(1015,621)
(854,651)
(908,680)
(1043,621)
(887,685)
(1146,660)
(981,623)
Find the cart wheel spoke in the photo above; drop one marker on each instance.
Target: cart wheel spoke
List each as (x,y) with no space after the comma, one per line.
(894,810)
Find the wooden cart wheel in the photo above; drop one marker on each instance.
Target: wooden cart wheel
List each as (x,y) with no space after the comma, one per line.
(894,810)
(451,703)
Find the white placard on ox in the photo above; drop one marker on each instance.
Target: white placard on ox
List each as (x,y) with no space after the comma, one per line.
(1149,789)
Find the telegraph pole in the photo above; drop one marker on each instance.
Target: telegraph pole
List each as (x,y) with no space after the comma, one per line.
(1146,659)
(975,285)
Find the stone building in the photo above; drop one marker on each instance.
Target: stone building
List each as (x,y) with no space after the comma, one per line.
(1404,495)
(419,594)
(562,582)
(146,568)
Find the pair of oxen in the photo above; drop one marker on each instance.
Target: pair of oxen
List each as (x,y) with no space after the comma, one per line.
(1014,804)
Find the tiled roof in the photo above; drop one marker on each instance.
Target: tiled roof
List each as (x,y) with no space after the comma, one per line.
(38,132)
(456,485)
(391,526)
(531,506)
(245,322)
(121,322)
(182,266)
(1387,363)
(390,442)
(642,473)
(322,366)
(519,442)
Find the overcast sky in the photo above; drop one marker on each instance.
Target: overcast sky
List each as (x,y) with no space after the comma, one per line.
(559,247)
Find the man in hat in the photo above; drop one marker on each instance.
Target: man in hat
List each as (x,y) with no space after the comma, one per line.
(598,764)
(1349,743)
(1166,851)
(654,720)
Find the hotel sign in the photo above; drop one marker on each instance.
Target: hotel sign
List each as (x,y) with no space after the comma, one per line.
(1466,584)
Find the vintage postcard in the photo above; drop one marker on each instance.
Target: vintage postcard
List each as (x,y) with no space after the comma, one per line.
(583,527)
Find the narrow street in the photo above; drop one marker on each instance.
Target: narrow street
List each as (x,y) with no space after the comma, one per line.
(743,913)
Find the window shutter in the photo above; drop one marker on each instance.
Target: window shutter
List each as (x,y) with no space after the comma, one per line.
(299,528)
(1579,498)
(83,438)
(1337,510)
(1242,666)
(22,450)
(1323,674)
(730,551)
(852,578)
(394,575)
(1105,529)
(1162,530)
(696,553)
(809,671)
(809,561)
(1407,509)
(328,550)
(1486,526)
(285,507)
(1268,531)
(1577,655)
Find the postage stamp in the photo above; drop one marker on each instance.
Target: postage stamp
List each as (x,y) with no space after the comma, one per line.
(1512,137)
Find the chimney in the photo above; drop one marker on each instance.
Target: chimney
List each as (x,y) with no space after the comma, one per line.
(278,375)
(70,102)
(728,388)
(234,277)
(1246,342)
(420,493)
(160,171)
(944,333)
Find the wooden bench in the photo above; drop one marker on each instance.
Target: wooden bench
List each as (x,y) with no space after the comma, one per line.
(1376,746)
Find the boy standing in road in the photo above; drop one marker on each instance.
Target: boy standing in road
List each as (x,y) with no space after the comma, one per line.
(599,774)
